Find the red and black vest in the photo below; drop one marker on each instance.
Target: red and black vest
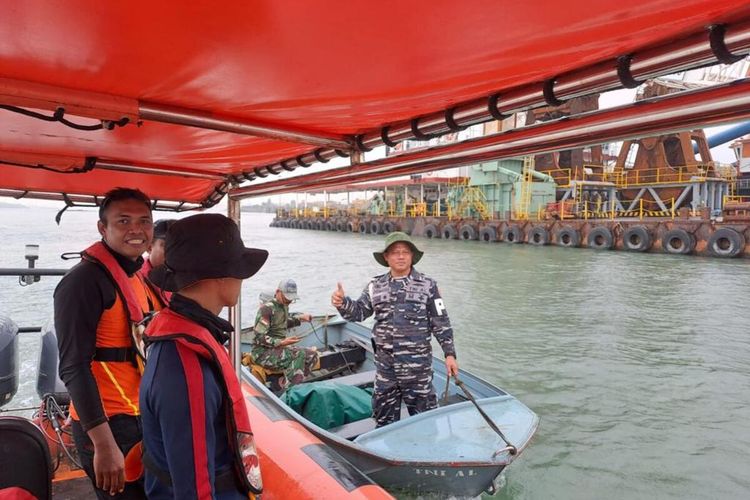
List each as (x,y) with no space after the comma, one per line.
(195,341)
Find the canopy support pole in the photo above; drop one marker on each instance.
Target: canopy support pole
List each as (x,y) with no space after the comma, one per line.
(192,118)
(721,104)
(235,313)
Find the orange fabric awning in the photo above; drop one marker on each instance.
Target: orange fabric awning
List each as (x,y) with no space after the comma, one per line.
(328,68)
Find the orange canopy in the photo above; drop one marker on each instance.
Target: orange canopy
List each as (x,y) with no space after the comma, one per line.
(325,70)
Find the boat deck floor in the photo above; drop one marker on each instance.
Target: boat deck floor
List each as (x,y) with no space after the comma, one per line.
(73,489)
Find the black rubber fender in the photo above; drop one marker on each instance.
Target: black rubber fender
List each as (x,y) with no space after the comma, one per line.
(538,236)
(488,234)
(362,228)
(340,226)
(430,231)
(330,226)
(376,227)
(726,242)
(349,227)
(449,232)
(678,242)
(320,225)
(309,224)
(9,366)
(637,239)
(513,234)
(389,226)
(600,238)
(467,232)
(568,237)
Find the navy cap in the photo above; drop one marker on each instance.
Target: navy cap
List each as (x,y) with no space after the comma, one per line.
(288,289)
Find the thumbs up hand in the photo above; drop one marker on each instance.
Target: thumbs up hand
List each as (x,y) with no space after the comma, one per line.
(337,299)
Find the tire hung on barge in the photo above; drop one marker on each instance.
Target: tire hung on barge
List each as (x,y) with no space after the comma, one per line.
(600,238)
(513,234)
(726,242)
(568,237)
(538,236)
(467,232)
(488,234)
(678,242)
(430,231)
(637,239)
(449,232)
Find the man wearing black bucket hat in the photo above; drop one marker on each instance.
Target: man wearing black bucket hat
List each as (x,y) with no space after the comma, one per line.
(196,431)
(156,249)
(408,310)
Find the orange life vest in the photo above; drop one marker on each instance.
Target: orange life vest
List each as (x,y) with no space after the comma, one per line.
(118,363)
(168,325)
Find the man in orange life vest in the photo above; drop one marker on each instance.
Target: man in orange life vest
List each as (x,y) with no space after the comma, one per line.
(196,432)
(98,305)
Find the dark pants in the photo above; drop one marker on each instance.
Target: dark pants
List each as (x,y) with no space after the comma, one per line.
(127,432)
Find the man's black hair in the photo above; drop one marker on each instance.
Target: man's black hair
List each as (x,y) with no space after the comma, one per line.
(120,194)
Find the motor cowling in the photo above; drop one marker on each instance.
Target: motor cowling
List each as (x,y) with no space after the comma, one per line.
(48,376)
(8,360)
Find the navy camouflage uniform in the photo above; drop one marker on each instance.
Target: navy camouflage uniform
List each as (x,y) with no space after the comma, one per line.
(271,324)
(407,312)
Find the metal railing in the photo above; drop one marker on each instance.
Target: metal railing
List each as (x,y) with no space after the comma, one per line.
(657,176)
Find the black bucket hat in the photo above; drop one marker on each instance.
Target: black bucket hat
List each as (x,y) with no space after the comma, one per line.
(205,246)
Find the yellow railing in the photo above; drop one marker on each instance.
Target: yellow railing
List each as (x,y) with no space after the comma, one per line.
(656,176)
(473,200)
(735,199)
(645,208)
(562,176)
(524,202)
(416,210)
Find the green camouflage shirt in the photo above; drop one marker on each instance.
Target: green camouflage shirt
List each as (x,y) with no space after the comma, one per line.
(272,322)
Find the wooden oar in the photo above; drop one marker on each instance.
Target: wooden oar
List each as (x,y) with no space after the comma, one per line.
(511,449)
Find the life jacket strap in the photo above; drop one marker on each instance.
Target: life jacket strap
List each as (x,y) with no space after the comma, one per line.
(115,354)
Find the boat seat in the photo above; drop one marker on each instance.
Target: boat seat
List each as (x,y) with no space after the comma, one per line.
(353,429)
(24,459)
(361,379)
(260,372)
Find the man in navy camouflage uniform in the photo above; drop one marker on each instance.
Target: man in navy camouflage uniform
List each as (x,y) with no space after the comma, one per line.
(408,309)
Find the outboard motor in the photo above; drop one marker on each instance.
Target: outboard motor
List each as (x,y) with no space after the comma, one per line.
(48,376)
(8,359)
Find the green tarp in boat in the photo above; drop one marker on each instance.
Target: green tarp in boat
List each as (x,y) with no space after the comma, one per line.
(327,404)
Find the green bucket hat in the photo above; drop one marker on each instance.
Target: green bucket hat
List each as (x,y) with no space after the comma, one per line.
(395,237)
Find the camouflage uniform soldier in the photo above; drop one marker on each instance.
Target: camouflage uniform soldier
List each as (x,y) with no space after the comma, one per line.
(270,343)
(408,309)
